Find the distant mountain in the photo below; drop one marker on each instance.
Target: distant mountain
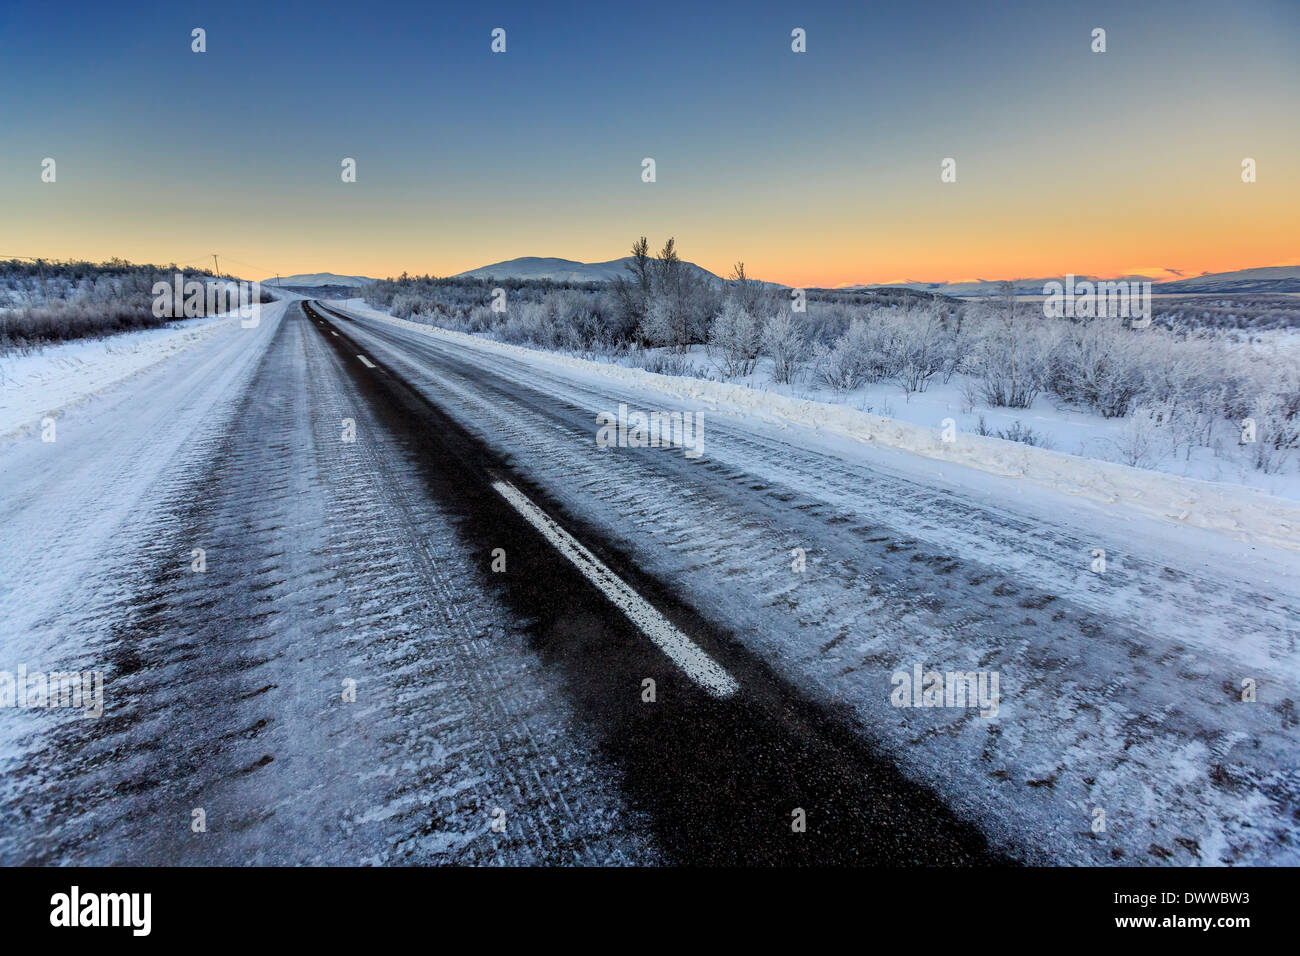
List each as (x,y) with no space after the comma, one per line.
(989,287)
(1270,279)
(568,270)
(315,279)
(557,270)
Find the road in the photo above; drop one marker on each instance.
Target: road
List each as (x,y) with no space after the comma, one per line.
(430,610)
(512,698)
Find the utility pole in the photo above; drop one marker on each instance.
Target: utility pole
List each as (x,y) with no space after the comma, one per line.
(216,268)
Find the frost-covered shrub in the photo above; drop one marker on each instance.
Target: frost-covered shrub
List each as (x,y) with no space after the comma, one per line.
(662,327)
(734,340)
(1016,432)
(479,319)
(957,344)
(59,301)
(826,322)
(880,346)
(782,340)
(406,305)
(845,366)
(1099,364)
(914,346)
(664,364)
(1009,358)
(1277,428)
(526,323)
(1142,443)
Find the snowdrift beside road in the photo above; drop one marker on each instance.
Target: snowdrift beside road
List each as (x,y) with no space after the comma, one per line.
(49,380)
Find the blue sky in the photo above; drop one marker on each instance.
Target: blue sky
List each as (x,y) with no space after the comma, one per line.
(815,168)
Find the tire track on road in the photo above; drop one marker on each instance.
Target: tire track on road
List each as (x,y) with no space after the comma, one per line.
(720,778)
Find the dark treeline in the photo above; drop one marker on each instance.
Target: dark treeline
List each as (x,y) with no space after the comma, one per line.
(44,301)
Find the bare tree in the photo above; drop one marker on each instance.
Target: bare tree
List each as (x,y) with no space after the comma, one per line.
(633,297)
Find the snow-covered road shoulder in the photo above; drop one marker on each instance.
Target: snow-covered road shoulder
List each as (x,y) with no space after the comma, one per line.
(47,381)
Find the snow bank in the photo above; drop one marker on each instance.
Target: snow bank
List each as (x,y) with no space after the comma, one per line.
(1244,513)
(52,379)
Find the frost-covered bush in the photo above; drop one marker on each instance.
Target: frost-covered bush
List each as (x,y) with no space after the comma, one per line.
(782,340)
(1009,357)
(1144,439)
(526,323)
(915,346)
(662,327)
(479,319)
(734,340)
(1098,364)
(59,301)
(908,346)
(845,365)
(1277,427)
(407,305)
(1015,432)
(664,364)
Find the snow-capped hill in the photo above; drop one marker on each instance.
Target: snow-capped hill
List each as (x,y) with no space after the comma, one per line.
(1270,279)
(564,270)
(318,279)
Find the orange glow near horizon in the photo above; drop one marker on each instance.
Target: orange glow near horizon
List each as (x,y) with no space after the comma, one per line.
(895,262)
(961,257)
(995,223)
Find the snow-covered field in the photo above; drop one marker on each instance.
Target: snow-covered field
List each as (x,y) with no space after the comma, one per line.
(1055,427)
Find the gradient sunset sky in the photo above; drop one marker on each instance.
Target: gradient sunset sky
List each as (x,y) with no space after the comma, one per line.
(816,169)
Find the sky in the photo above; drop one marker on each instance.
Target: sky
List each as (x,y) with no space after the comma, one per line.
(819,168)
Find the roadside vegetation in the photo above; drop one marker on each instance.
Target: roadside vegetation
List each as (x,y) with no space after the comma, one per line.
(1188,381)
(43,302)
